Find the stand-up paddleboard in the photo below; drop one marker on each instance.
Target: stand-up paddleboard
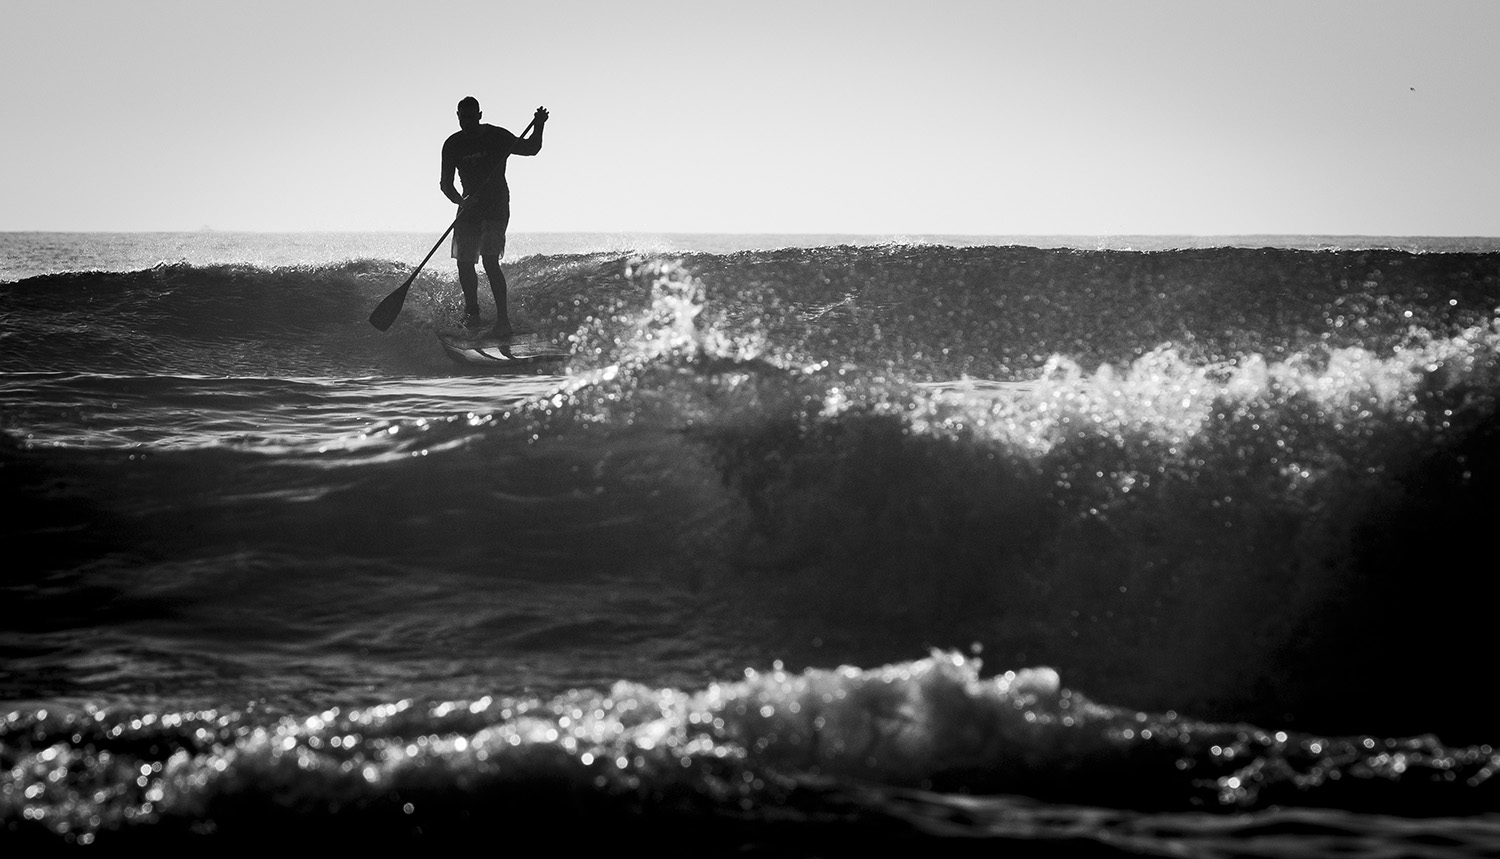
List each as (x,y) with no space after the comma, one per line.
(523,351)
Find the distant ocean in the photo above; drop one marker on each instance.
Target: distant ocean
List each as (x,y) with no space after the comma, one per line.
(816,546)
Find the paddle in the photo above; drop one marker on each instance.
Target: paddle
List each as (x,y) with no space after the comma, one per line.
(386,312)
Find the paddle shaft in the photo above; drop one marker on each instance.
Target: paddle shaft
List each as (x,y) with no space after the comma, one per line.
(386,312)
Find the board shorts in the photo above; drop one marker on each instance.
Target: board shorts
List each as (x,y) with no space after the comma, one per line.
(473,240)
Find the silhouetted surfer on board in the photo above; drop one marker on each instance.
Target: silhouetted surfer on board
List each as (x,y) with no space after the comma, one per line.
(478,152)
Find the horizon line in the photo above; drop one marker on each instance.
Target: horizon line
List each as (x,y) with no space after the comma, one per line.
(898,233)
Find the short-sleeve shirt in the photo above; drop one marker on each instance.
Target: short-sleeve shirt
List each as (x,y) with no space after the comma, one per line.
(479,157)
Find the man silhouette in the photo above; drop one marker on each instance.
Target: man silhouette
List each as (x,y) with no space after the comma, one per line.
(477,153)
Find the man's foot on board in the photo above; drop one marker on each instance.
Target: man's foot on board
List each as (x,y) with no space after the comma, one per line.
(472,321)
(504,331)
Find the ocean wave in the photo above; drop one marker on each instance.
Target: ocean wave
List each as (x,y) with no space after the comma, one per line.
(1195,527)
(930,313)
(771,758)
(1245,486)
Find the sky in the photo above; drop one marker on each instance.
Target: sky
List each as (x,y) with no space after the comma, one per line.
(891,117)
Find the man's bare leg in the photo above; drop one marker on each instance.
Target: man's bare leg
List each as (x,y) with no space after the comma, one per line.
(498,287)
(468,278)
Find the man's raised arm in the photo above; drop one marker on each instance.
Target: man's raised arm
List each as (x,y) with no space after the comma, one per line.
(533,144)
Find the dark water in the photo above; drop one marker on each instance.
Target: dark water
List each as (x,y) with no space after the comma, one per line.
(807,551)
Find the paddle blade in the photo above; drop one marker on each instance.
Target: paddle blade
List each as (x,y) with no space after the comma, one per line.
(383,315)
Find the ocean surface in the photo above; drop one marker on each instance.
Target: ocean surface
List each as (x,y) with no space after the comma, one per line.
(815,546)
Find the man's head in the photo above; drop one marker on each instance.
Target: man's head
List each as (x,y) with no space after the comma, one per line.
(468,112)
